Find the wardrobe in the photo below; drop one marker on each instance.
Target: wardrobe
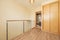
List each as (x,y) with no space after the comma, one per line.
(51,18)
(59,15)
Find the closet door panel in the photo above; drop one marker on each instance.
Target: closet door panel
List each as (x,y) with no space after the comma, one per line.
(59,17)
(54,18)
(46,18)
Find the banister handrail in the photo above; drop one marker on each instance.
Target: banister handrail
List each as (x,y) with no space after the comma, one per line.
(18,20)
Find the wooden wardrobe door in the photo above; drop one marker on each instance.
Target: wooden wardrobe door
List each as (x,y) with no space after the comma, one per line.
(54,18)
(46,18)
(59,17)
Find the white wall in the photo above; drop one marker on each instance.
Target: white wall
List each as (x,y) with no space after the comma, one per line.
(33,15)
(48,1)
(9,10)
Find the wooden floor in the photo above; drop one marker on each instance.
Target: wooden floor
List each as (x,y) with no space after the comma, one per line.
(37,34)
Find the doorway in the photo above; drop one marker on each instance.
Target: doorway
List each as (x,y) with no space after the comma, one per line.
(38,19)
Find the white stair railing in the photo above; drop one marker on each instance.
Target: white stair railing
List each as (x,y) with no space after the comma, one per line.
(16,27)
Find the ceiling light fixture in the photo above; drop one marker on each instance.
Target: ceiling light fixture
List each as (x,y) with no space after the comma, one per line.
(31,1)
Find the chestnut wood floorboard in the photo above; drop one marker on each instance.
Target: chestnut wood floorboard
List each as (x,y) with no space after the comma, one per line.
(37,34)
